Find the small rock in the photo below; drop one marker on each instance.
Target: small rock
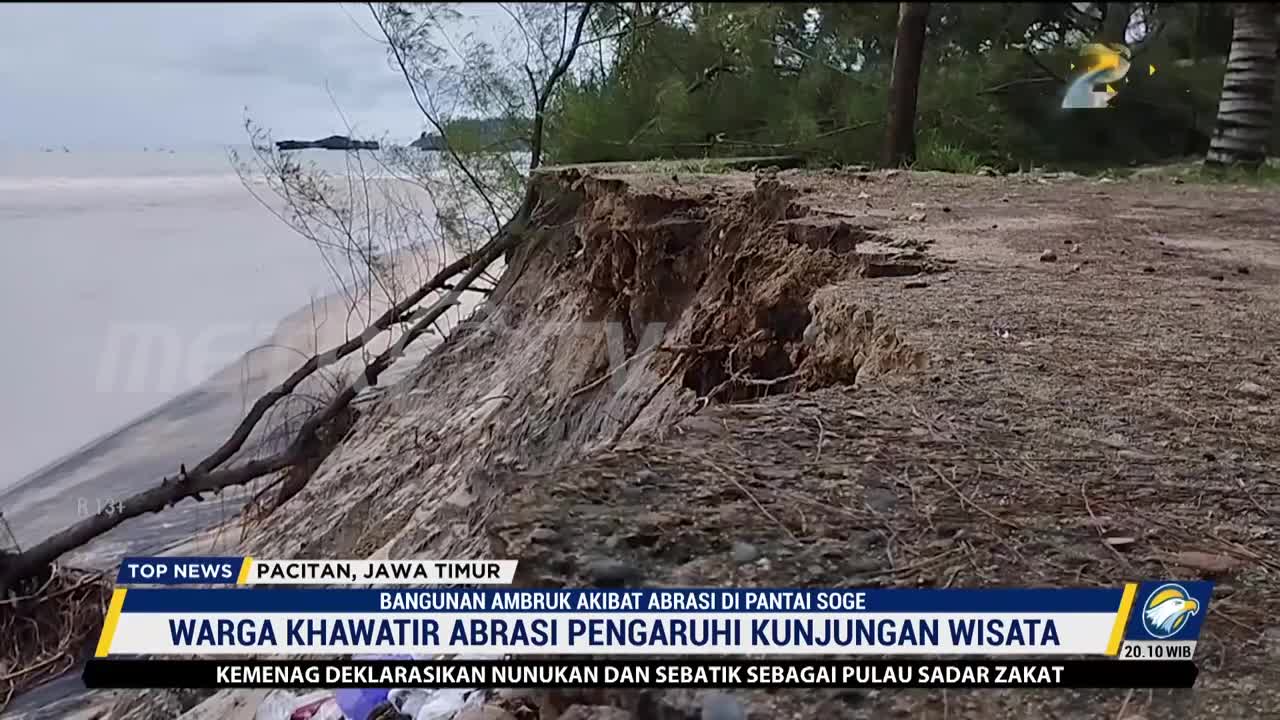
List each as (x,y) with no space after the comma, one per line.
(744,553)
(1271,642)
(1252,390)
(646,476)
(863,195)
(947,530)
(915,284)
(1148,269)
(946,208)
(1178,181)
(1048,256)
(881,500)
(595,712)
(850,696)
(1208,563)
(864,564)
(810,334)
(720,706)
(1068,242)
(544,535)
(916,217)
(484,712)
(612,573)
(892,173)
(1116,441)
(1243,270)
(1217,276)
(772,473)
(1074,269)
(1075,248)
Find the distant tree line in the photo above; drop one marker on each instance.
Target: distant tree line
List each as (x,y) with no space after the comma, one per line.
(477,135)
(713,79)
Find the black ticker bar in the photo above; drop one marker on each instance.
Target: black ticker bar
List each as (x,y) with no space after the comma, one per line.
(647,673)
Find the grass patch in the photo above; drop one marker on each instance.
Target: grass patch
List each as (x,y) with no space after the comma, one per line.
(936,155)
(1198,172)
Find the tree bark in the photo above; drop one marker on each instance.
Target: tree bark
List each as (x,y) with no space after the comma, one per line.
(1247,104)
(908,54)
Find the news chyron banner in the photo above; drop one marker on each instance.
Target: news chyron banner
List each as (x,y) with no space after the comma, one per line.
(797,637)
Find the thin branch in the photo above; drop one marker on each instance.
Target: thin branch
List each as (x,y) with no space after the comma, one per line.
(540,105)
(431,118)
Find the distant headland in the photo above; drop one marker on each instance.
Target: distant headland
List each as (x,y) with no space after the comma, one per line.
(333,142)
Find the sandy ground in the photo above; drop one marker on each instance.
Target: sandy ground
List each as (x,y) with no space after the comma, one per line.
(1022,380)
(1103,415)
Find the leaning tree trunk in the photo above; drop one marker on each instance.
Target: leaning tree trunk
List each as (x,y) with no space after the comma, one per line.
(908,53)
(1246,107)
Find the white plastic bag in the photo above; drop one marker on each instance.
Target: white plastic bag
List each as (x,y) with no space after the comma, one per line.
(421,704)
(278,705)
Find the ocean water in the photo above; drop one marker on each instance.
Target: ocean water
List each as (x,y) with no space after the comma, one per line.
(148,299)
(132,285)
(95,247)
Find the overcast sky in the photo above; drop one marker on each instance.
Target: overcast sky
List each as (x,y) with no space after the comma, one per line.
(129,75)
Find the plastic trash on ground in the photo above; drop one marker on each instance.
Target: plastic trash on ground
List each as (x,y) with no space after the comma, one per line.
(361,703)
(283,705)
(358,704)
(422,704)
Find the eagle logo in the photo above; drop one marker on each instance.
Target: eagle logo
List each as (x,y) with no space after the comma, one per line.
(1100,64)
(1167,609)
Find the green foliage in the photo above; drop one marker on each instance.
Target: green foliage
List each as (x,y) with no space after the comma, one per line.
(1198,172)
(473,135)
(936,154)
(723,79)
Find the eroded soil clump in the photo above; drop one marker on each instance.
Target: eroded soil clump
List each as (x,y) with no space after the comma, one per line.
(737,281)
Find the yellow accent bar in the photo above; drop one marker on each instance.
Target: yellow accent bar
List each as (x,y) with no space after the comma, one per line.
(1122,618)
(112,619)
(244,571)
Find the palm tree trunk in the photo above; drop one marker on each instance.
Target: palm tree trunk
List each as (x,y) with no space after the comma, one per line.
(1246,107)
(908,54)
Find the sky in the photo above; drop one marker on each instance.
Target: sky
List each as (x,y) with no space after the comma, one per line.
(182,75)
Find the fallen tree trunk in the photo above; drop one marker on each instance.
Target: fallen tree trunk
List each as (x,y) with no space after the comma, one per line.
(206,477)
